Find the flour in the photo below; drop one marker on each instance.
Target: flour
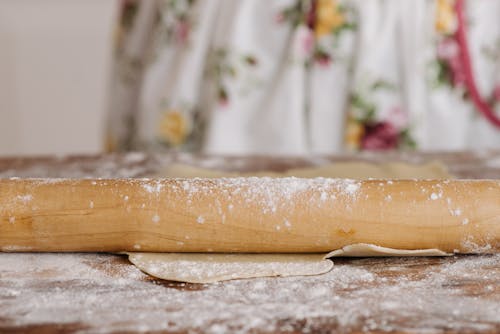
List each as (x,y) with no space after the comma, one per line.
(155,219)
(25,198)
(356,295)
(268,193)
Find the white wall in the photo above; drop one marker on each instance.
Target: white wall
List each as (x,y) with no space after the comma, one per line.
(55,58)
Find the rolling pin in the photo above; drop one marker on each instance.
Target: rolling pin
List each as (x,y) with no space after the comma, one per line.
(247,215)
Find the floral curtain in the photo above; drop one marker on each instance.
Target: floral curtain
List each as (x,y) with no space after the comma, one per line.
(306,76)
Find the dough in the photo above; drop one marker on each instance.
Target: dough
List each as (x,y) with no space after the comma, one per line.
(209,268)
(348,170)
(368,250)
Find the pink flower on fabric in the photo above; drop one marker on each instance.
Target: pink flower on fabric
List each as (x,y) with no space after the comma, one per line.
(457,72)
(397,117)
(324,61)
(279,18)
(182,32)
(322,58)
(380,136)
(448,49)
(304,42)
(223,97)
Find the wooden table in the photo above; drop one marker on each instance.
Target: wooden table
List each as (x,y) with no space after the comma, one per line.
(42,293)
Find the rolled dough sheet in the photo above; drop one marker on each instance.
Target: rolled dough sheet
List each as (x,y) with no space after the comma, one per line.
(369,250)
(348,170)
(209,268)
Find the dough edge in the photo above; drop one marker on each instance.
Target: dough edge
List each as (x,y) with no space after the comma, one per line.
(371,250)
(216,267)
(179,267)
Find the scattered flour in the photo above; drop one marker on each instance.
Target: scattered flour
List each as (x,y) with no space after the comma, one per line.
(25,198)
(357,295)
(268,193)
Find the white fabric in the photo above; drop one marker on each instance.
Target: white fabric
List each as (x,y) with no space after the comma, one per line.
(281,106)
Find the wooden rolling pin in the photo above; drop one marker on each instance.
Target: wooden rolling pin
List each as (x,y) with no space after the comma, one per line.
(247,215)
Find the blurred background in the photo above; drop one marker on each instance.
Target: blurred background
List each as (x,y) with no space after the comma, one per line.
(281,77)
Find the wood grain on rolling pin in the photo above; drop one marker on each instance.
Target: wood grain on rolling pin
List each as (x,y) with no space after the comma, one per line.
(247,215)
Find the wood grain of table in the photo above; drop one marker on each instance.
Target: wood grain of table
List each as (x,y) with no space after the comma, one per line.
(89,293)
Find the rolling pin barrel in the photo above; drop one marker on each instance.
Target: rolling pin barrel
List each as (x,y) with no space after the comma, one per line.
(247,214)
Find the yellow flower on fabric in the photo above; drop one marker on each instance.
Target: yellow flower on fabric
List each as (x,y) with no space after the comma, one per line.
(445,20)
(174,127)
(328,17)
(353,134)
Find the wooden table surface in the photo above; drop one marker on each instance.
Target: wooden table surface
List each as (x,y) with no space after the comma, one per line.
(88,293)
